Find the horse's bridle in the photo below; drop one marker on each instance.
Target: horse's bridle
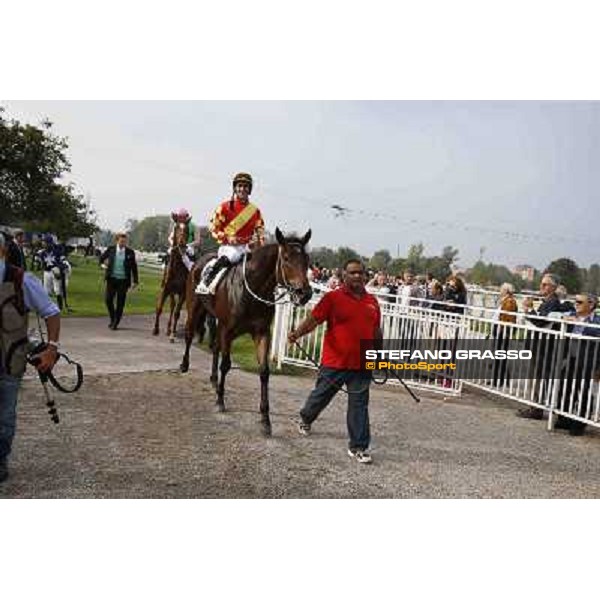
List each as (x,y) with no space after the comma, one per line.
(279,280)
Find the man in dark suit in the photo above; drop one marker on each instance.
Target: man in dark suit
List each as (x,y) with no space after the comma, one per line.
(15,255)
(121,269)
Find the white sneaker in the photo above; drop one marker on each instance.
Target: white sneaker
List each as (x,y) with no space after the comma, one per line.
(362,456)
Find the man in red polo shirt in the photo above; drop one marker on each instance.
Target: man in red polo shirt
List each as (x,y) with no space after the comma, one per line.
(352,315)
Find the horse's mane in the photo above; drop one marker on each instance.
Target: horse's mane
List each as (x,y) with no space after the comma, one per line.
(236,274)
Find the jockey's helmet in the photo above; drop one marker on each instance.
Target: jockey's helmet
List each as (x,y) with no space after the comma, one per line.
(243,178)
(181,215)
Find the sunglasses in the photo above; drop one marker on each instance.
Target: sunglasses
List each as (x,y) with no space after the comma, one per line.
(580,301)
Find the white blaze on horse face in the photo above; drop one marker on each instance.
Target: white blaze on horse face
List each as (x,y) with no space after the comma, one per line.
(295,266)
(180,237)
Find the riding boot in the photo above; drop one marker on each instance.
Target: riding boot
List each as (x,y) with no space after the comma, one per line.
(59,301)
(222,263)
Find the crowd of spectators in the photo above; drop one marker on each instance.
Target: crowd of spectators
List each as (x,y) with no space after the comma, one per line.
(406,289)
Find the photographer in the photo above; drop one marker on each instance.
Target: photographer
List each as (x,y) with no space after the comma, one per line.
(19,293)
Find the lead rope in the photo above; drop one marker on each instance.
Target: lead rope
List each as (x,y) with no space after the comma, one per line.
(375,381)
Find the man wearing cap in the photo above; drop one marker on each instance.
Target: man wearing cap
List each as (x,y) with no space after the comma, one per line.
(19,293)
(236,224)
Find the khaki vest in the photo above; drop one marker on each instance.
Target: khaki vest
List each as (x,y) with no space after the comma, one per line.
(13,332)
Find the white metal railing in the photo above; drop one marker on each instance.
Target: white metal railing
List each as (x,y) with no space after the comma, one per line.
(562,377)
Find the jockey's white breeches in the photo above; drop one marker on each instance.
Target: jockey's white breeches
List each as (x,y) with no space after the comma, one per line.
(233,253)
(53,284)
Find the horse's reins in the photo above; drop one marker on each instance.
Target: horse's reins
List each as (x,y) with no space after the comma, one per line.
(348,392)
(278,269)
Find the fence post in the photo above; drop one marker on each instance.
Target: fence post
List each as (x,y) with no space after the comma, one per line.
(558,351)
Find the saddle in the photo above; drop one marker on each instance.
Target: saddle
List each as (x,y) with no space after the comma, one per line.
(211,288)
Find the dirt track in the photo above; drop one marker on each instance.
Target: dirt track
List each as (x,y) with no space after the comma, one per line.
(138,434)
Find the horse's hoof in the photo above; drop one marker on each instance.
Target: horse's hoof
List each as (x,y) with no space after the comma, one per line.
(184,367)
(213,382)
(266,429)
(155,332)
(220,407)
(172,340)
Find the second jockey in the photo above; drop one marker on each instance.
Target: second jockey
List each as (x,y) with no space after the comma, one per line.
(235,225)
(182,216)
(56,269)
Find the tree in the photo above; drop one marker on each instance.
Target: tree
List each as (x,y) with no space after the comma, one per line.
(207,241)
(380,261)
(415,259)
(397,266)
(32,162)
(150,234)
(568,273)
(593,279)
(344,254)
(324,256)
(493,275)
(105,237)
(449,255)
(439,267)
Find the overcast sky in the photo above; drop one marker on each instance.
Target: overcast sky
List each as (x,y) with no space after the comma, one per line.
(516,181)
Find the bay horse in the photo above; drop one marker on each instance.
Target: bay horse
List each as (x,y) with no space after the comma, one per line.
(244,303)
(174,282)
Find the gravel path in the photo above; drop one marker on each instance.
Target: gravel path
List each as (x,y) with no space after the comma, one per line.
(140,429)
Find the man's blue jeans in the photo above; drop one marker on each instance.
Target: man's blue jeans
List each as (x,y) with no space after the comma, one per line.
(9,390)
(329,382)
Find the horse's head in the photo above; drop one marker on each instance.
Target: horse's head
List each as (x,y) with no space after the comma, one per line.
(180,235)
(293,266)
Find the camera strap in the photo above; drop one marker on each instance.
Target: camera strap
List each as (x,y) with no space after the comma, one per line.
(78,382)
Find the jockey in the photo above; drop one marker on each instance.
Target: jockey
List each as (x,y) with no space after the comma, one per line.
(235,224)
(56,269)
(183,216)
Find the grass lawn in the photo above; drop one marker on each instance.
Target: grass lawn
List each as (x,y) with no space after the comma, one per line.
(86,289)
(86,299)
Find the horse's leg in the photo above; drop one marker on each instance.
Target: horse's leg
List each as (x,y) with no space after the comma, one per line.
(214,346)
(171,310)
(190,329)
(159,308)
(212,330)
(224,346)
(180,300)
(262,342)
